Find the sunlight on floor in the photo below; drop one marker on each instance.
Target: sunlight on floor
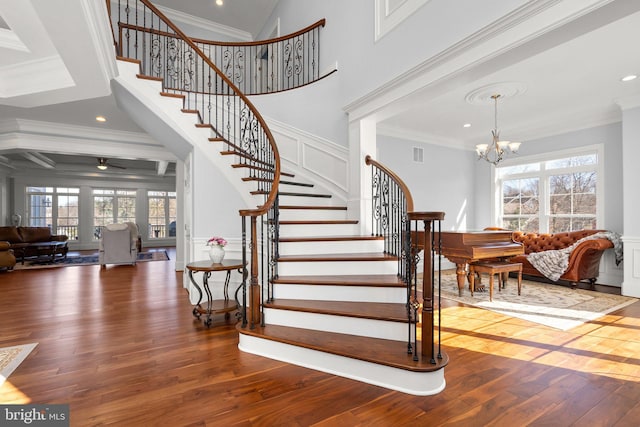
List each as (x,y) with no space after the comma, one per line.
(11,395)
(607,346)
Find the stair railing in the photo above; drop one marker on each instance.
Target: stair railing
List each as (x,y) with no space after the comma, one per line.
(269,66)
(145,34)
(405,233)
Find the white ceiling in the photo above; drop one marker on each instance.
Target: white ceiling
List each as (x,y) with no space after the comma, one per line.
(571,82)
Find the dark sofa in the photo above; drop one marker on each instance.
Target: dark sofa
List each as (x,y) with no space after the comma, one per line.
(29,242)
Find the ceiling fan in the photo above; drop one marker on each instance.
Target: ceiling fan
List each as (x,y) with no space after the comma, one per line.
(103,164)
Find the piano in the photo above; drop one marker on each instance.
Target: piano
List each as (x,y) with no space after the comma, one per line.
(465,247)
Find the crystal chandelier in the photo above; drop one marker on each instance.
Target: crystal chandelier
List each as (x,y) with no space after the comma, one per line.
(494,152)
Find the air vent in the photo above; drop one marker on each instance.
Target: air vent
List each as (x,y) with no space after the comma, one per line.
(418,154)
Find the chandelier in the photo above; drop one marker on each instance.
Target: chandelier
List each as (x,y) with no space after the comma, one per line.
(494,152)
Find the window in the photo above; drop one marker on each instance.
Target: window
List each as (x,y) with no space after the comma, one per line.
(112,206)
(54,207)
(551,195)
(162,214)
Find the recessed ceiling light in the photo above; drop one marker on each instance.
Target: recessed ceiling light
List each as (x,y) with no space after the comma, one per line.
(219,2)
(466,125)
(101,119)
(629,78)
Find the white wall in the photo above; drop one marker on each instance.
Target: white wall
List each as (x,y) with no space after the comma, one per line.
(364,64)
(444,182)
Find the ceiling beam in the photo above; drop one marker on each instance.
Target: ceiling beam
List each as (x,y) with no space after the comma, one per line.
(6,162)
(39,159)
(161,167)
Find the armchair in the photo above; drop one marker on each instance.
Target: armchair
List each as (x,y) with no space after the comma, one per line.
(119,244)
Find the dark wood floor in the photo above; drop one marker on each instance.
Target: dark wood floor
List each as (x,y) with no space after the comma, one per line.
(121,347)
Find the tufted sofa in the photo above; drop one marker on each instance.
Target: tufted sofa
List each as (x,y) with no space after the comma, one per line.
(584,260)
(24,241)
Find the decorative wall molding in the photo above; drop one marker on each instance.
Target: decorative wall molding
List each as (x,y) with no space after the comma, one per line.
(10,40)
(313,158)
(43,74)
(631,283)
(390,13)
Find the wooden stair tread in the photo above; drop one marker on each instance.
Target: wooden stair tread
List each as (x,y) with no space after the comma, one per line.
(393,312)
(246,165)
(319,222)
(324,207)
(328,238)
(365,256)
(291,193)
(371,280)
(374,350)
(146,77)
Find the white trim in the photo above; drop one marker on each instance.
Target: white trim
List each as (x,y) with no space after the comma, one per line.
(416,383)
(526,23)
(388,17)
(10,40)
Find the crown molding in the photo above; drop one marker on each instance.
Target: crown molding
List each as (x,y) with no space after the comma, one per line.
(43,74)
(628,102)
(10,40)
(524,24)
(33,127)
(205,24)
(100,32)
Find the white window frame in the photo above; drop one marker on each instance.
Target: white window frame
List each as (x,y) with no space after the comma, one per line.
(496,194)
(54,196)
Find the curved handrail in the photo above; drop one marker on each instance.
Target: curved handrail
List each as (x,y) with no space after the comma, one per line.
(269,66)
(320,23)
(273,192)
(370,162)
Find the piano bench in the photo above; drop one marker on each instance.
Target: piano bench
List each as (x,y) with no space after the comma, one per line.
(502,268)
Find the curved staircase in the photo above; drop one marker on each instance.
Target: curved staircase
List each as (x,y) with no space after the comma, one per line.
(330,299)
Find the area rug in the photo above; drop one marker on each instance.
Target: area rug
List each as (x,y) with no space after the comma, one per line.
(88,260)
(556,306)
(11,357)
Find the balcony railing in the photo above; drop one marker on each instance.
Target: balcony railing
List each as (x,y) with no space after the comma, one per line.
(269,66)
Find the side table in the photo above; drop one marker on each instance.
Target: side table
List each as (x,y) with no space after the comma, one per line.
(214,306)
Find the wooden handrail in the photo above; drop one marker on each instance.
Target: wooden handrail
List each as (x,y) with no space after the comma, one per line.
(370,162)
(320,23)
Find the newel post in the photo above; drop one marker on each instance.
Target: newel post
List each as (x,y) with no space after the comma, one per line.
(425,240)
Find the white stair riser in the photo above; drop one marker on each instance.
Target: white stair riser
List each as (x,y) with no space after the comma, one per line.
(331,247)
(416,383)
(304,230)
(312,214)
(337,267)
(395,331)
(340,293)
(305,201)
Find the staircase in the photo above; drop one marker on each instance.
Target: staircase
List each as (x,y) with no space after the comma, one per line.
(332,300)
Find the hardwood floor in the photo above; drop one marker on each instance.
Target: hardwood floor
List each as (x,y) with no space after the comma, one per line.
(121,347)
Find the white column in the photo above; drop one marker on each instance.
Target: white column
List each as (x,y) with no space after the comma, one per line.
(631,195)
(362,142)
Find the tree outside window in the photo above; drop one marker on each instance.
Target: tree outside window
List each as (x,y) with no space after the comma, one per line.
(54,207)
(552,195)
(162,214)
(112,206)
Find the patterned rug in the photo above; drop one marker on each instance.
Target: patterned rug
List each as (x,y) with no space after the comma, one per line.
(556,306)
(88,260)
(11,357)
